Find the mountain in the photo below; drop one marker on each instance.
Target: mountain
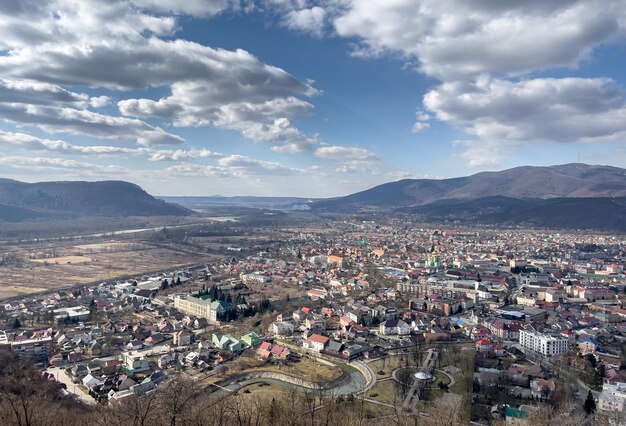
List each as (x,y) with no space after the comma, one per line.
(55,200)
(564,181)
(574,196)
(564,213)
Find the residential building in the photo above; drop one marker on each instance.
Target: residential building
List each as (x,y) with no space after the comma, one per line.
(544,344)
(135,362)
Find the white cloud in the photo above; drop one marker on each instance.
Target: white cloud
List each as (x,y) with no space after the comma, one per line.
(29,142)
(45,162)
(456,38)
(182,155)
(199,8)
(99,101)
(309,20)
(88,123)
(234,166)
(342,153)
(351,159)
(120,45)
(537,110)
(481,153)
(37,93)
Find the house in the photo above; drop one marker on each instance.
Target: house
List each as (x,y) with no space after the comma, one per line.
(226,342)
(251,339)
(542,389)
(316,342)
(264,350)
(333,348)
(394,326)
(484,345)
(165,361)
(182,338)
(587,345)
(316,294)
(135,362)
(280,352)
(282,328)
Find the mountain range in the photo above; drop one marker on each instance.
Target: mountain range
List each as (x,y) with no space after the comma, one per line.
(572,196)
(60,200)
(565,196)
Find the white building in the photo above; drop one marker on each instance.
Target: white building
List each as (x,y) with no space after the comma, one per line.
(542,343)
(613,398)
(201,308)
(135,362)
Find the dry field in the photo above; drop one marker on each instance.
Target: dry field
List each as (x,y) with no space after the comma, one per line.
(39,268)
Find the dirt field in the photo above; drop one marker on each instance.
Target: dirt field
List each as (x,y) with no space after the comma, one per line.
(39,268)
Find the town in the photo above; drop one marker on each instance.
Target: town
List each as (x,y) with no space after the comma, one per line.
(494,325)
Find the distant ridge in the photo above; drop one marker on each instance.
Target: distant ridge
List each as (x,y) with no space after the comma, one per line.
(563,196)
(55,200)
(564,181)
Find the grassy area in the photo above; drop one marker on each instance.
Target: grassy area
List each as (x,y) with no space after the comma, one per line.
(386,365)
(306,369)
(262,391)
(440,377)
(386,392)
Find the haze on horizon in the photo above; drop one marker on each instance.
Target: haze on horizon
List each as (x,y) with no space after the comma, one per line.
(306,98)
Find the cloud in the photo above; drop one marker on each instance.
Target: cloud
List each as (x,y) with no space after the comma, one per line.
(199,8)
(234,166)
(352,159)
(37,93)
(29,142)
(83,122)
(400,175)
(99,101)
(306,20)
(241,165)
(479,153)
(341,153)
(128,45)
(45,162)
(483,54)
(182,155)
(538,110)
(456,38)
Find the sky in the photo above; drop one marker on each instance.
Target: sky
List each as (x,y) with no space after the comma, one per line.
(311,98)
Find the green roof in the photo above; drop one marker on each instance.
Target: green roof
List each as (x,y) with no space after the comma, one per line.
(515,413)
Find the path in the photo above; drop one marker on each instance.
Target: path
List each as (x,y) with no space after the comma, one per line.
(62,377)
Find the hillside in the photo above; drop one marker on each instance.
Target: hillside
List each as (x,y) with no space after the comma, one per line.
(52,200)
(563,181)
(575,196)
(607,214)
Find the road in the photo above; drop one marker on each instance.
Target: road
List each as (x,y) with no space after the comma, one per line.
(62,377)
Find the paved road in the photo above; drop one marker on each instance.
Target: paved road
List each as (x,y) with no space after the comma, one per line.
(72,388)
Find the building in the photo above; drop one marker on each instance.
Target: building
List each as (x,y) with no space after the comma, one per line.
(211,311)
(316,342)
(36,350)
(182,338)
(542,343)
(612,399)
(135,362)
(394,326)
(72,314)
(251,339)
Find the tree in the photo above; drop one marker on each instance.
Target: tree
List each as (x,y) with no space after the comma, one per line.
(590,404)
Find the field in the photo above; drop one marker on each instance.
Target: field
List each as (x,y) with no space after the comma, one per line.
(40,267)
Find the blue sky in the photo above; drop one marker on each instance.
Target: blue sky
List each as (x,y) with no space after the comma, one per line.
(304,97)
